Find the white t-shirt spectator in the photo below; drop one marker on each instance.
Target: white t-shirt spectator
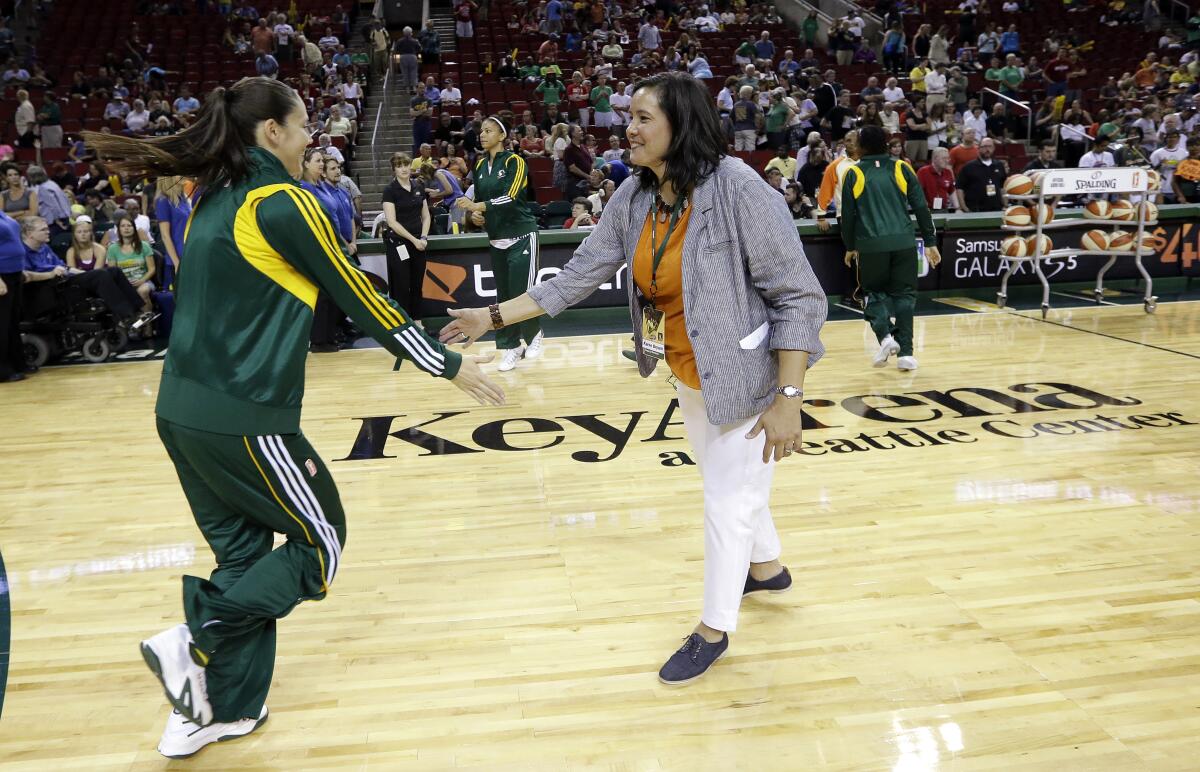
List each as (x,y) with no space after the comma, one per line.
(1165,160)
(186,105)
(348,110)
(977,122)
(351,91)
(935,83)
(137,120)
(329,41)
(451,96)
(332,151)
(725,100)
(619,100)
(856,26)
(26,118)
(1093,160)
(894,94)
(284,34)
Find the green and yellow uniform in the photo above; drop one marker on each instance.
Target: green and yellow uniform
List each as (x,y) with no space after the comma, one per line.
(503,184)
(877,193)
(229,415)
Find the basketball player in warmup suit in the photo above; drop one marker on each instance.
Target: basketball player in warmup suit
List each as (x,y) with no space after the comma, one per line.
(232,385)
(876,195)
(704,238)
(502,190)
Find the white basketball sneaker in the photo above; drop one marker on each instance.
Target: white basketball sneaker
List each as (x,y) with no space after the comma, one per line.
(906,363)
(887,347)
(169,656)
(510,358)
(183,738)
(535,347)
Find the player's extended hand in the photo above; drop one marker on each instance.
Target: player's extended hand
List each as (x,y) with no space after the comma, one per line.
(782,422)
(851,256)
(933,256)
(467,325)
(472,380)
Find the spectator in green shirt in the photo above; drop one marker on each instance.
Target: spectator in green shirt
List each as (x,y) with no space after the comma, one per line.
(134,257)
(777,119)
(551,89)
(49,118)
(1011,76)
(602,112)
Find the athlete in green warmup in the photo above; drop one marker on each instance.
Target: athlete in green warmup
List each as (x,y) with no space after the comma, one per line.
(501,195)
(260,247)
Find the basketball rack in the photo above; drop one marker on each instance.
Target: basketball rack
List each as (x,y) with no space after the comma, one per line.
(1055,183)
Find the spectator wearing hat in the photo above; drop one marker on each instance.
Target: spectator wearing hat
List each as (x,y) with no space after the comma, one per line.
(1167,158)
(450,96)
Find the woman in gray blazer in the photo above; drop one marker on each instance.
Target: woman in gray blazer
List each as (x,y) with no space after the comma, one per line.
(723,292)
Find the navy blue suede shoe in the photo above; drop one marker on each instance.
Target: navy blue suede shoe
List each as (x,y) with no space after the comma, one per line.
(692,660)
(780,582)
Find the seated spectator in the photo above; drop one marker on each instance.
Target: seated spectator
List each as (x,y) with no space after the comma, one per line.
(581,215)
(532,144)
(116,109)
(613,52)
(330,150)
(266,65)
(15,74)
(892,91)
(351,91)
(138,119)
(451,96)
(329,41)
(134,257)
(42,265)
(338,125)
(601,196)
(699,68)
(433,94)
(84,254)
(132,207)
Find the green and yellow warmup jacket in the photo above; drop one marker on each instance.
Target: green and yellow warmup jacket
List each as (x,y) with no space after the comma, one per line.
(258,252)
(876,195)
(503,183)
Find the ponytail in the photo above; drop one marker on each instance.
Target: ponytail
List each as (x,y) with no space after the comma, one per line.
(213,150)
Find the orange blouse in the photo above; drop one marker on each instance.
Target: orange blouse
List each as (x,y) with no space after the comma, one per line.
(680,357)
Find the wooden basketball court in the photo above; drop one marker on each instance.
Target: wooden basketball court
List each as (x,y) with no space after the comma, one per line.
(995,564)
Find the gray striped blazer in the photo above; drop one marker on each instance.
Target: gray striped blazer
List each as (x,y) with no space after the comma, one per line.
(747,287)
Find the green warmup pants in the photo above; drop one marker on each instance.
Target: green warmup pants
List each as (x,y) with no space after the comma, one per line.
(515,268)
(242,491)
(889,280)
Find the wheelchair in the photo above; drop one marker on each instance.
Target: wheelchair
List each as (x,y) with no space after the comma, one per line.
(65,320)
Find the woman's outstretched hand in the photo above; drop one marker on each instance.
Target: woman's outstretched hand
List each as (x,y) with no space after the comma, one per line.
(467,325)
(472,380)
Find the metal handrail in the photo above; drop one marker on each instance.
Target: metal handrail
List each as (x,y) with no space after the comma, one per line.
(380,112)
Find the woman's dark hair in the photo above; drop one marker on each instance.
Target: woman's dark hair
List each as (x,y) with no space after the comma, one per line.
(136,241)
(214,149)
(872,140)
(695,153)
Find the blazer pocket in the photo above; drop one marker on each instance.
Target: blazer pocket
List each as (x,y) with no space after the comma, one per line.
(756,338)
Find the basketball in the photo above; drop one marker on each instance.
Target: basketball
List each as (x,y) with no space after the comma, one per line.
(1031,245)
(1155,179)
(1018,185)
(1121,241)
(1098,210)
(1094,241)
(1149,243)
(1013,246)
(1017,215)
(1042,213)
(1036,178)
(1149,211)
(1123,210)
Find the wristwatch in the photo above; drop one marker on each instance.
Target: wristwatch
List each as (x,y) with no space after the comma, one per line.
(789,391)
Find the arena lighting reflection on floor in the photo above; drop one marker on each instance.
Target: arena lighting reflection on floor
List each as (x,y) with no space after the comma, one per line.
(919,748)
(1012,491)
(179,555)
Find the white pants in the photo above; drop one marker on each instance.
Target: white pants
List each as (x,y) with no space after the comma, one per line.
(603,120)
(738,529)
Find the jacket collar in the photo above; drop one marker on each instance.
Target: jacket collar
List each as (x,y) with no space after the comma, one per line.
(263,162)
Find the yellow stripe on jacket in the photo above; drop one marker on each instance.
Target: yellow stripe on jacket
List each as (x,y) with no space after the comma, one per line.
(259,253)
